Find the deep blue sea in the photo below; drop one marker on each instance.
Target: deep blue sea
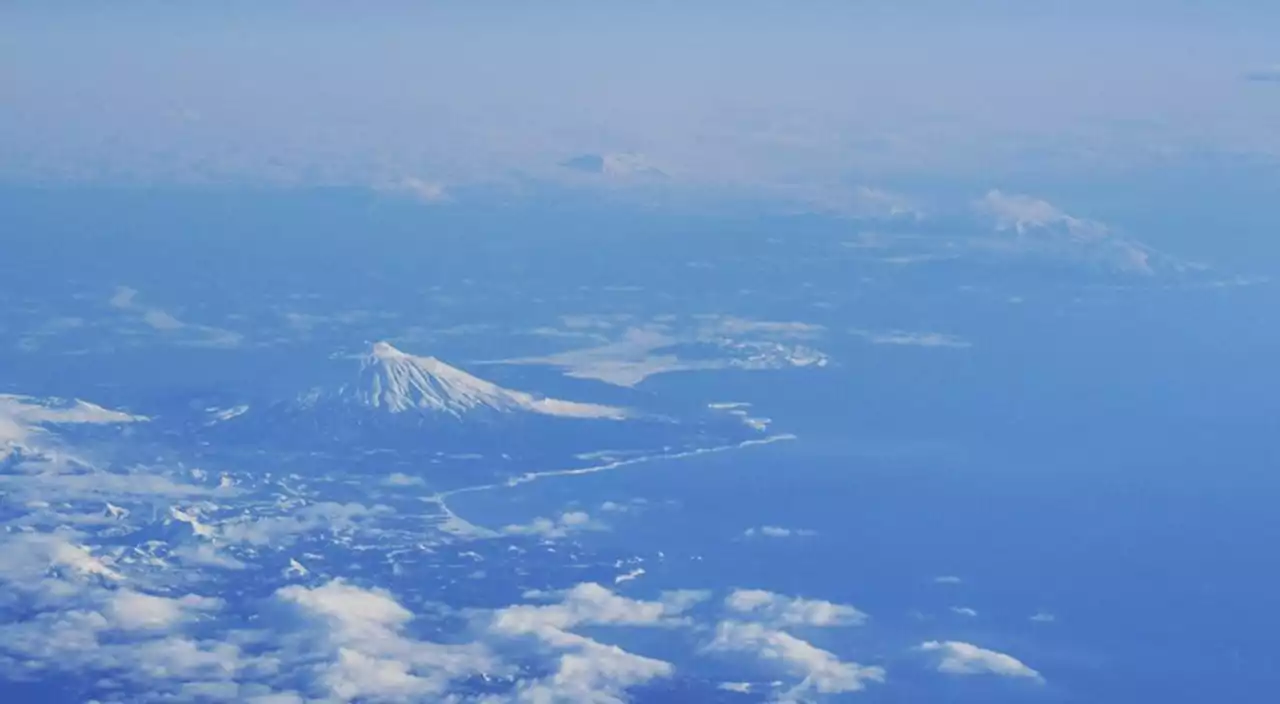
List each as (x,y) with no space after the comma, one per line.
(1103,452)
(1116,472)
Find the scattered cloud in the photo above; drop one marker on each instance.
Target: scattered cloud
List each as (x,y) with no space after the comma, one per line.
(118,612)
(206,555)
(590,671)
(401,479)
(566,523)
(819,671)
(587,670)
(33,339)
(780,610)
(629,576)
(356,646)
(81,614)
(1043,617)
(339,641)
(590,603)
(964,611)
(628,506)
(134,611)
(328,516)
(913,339)
(28,556)
(126,299)
(756,629)
(422,190)
(880,204)
(958,658)
(947,579)
(778,532)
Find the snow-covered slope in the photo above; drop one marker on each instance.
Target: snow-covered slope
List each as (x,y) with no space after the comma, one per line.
(395,382)
(24,420)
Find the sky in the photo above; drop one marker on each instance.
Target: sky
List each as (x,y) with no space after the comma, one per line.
(739,95)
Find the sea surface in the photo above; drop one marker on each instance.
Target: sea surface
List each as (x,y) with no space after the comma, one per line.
(1126,499)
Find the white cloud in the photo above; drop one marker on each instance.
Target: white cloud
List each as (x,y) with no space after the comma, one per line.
(593,604)
(964,611)
(755,629)
(206,555)
(587,670)
(947,579)
(421,189)
(326,516)
(819,671)
(27,558)
(877,202)
(566,523)
(161,320)
(592,673)
(131,611)
(628,506)
(359,648)
(400,479)
(1043,617)
(913,339)
(47,479)
(126,299)
(350,609)
(629,576)
(781,610)
(277,698)
(778,532)
(343,642)
(958,658)
(123,298)
(82,617)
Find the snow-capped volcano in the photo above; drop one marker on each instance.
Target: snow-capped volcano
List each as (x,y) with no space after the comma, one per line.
(397,382)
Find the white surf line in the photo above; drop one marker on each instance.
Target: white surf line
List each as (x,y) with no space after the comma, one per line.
(440,498)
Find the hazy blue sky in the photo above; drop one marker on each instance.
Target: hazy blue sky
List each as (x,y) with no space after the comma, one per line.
(719,93)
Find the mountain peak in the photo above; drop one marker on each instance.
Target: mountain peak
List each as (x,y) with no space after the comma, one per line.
(399,382)
(384,350)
